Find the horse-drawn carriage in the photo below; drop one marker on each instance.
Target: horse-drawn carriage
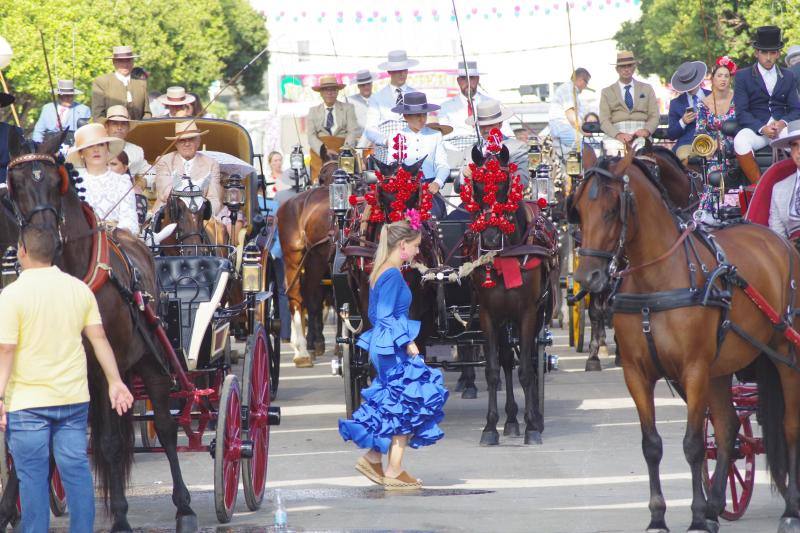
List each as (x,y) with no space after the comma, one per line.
(187,378)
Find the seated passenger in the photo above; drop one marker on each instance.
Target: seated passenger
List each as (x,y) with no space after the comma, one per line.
(784,208)
(684,108)
(716,109)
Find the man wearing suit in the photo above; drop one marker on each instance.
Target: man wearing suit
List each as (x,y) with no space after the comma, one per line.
(683,109)
(185,161)
(380,109)
(118,88)
(68,113)
(6,131)
(332,118)
(628,108)
(766,101)
(784,208)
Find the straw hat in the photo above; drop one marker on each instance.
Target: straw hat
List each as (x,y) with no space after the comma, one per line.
(176,96)
(122,52)
(118,113)
(186,129)
(793,130)
(92,135)
(793,51)
(398,60)
(327,81)
(433,123)
(625,58)
(66,87)
(489,112)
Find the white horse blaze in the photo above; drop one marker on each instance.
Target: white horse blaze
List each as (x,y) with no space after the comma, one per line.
(298,339)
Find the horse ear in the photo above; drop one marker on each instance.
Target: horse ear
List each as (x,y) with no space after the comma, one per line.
(414,169)
(588,157)
(477,156)
(323,153)
(504,156)
(385,169)
(52,143)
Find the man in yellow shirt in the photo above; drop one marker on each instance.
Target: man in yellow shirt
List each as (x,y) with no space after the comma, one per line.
(44,390)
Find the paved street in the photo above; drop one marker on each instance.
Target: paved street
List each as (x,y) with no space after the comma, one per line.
(588,476)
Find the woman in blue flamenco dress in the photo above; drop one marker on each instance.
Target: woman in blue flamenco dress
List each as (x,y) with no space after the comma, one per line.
(403,405)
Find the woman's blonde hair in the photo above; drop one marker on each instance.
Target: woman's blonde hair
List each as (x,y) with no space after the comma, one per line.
(391,236)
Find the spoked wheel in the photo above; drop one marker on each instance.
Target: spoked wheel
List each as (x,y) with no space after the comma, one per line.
(741,471)
(58,496)
(147,428)
(256,395)
(579,309)
(272,319)
(227,447)
(352,391)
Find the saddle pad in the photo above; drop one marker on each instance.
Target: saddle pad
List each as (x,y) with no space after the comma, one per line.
(510,270)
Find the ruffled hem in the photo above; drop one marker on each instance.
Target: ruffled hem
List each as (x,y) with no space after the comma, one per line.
(388,335)
(409,403)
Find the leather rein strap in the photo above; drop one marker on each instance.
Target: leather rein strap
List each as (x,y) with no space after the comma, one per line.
(630,270)
(99,268)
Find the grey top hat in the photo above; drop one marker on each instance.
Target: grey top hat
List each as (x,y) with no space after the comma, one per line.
(793,52)
(793,130)
(688,76)
(414,103)
(66,87)
(398,60)
(471,70)
(364,76)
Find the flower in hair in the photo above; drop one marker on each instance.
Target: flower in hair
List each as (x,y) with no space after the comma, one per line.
(728,63)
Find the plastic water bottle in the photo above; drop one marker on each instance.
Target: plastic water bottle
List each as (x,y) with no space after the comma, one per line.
(280,511)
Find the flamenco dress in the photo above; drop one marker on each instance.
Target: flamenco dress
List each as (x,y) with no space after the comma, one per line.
(406,396)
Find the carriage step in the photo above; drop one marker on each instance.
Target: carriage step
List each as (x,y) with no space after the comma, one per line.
(274,415)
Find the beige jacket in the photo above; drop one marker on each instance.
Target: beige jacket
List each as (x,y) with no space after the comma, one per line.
(345,125)
(170,167)
(107,90)
(613,109)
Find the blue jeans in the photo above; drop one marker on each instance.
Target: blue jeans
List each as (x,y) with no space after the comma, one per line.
(30,434)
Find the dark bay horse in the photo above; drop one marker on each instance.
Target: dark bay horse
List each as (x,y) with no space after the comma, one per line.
(685,311)
(42,192)
(190,211)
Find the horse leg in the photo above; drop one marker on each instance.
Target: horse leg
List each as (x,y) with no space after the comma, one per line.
(790,383)
(158,387)
(641,390)
(291,263)
(596,319)
(511,427)
(726,427)
(490,436)
(534,423)
(468,389)
(696,384)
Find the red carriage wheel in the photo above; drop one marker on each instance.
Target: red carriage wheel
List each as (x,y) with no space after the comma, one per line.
(256,394)
(58,496)
(227,447)
(741,471)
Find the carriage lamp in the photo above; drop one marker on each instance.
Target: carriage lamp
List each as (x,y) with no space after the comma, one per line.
(534,154)
(9,266)
(234,192)
(543,186)
(339,192)
(297,159)
(251,268)
(574,164)
(347,161)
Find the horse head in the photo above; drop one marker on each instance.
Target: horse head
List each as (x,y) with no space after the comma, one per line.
(400,187)
(492,184)
(189,210)
(330,163)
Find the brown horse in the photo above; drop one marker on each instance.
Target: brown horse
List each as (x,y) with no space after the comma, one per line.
(520,312)
(41,191)
(685,311)
(190,211)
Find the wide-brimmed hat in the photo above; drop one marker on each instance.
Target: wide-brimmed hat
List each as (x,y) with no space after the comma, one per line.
(625,58)
(117,113)
(793,130)
(768,38)
(489,112)
(176,96)
(689,76)
(398,60)
(364,76)
(433,123)
(328,81)
(186,129)
(122,52)
(793,51)
(6,99)
(66,87)
(414,103)
(92,135)
(471,70)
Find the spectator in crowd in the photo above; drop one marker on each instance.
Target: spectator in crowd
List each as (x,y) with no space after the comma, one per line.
(44,389)
(67,112)
(628,107)
(522,134)
(716,109)
(118,124)
(380,110)
(195,108)
(362,100)
(683,108)
(456,110)
(6,131)
(119,88)
(176,102)
(563,117)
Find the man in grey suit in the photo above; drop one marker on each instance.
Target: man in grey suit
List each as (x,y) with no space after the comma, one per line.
(784,208)
(332,118)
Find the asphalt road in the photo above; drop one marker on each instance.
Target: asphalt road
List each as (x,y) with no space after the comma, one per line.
(588,475)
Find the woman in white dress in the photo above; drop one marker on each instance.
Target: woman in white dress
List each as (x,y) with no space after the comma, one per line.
(110,194)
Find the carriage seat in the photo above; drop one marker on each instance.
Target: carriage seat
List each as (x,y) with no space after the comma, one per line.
(192,288)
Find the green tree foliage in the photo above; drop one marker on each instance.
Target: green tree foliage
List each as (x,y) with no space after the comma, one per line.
(669,32)
(190,44)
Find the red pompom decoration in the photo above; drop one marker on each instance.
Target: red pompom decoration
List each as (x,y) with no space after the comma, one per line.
(352,200)
(488,282)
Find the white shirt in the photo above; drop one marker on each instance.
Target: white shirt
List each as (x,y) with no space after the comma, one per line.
(380,110)
(770,77)
(187,166)
(137,164)
(426,142)
(362,106)
(563,100)
(126,80)
(104,191)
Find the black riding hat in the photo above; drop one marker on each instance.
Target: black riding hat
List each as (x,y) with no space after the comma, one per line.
(768,38)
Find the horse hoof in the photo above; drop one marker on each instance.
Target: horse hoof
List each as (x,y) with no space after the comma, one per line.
(789,524)
(470,392)
(319,349)
(186,524)
(124,527)
(511,429)
(490,438)
(593,365)
(303,361)
(533,437)
(712,525)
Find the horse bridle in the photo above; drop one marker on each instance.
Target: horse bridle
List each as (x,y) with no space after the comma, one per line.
(27,159)
(175,196)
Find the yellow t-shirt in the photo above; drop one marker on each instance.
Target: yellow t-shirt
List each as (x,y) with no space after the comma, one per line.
(43,313)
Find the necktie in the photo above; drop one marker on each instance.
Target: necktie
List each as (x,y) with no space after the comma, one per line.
(694,102)
(329,121)
(399,99)
(628,98)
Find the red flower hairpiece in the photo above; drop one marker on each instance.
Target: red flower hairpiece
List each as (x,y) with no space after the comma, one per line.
(728,63)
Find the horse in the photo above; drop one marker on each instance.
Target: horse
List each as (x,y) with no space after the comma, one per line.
(524,309)
(189,210)
(40,190)
(710,289)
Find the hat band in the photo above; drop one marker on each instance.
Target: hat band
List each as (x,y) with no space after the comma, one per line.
(119,118)
(177,100)
(490,117)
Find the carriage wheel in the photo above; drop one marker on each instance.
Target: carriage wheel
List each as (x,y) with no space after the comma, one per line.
(227,449)
(352,392)
(272,319)
(579,310)
(256,394)
(58,496)
(147,428)
(6,466)
(741,471)
(571,322)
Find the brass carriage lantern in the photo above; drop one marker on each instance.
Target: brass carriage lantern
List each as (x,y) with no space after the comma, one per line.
(251,268)
(339,192)
(234,194)
(543,186)
(574,168)
(534,154)
(347,161)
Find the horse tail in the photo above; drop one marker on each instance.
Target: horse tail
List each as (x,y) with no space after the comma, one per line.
(113,455)
(770,415)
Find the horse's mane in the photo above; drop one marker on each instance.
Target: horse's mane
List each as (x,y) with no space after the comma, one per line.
(667,154)
(606,162)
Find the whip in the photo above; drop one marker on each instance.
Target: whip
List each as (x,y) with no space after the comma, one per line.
(470,99)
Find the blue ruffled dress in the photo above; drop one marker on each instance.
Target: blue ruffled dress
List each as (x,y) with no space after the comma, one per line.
(407,396)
